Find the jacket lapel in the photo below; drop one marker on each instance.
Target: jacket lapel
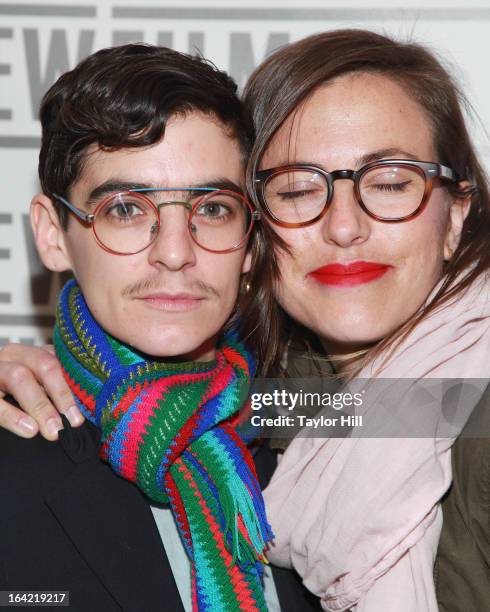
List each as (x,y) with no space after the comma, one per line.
(111,525)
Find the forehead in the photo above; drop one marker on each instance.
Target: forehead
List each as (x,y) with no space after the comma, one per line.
(349,118)
(194,148)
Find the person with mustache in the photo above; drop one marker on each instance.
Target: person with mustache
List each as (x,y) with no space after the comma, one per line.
(378,212)
(154,502)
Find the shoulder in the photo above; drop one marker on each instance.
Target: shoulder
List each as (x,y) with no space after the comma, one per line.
(31,468)
(28,456)
(463,556)
(471,465)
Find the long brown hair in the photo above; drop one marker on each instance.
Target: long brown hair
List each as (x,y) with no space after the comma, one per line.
(291,75)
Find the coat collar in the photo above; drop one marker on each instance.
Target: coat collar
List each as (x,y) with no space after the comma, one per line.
(110,523)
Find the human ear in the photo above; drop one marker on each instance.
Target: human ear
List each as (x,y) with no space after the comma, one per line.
(460,207)
(48,234)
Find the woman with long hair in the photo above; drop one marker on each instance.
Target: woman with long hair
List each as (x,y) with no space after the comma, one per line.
(379,213)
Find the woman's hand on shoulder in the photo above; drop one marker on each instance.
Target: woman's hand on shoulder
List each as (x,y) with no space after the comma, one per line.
(32,377)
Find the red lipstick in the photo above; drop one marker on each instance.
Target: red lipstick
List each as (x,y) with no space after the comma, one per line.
(349,275)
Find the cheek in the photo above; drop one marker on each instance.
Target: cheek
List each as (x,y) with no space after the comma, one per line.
(224,275)
(422,239)
(292,286)
(371,311)
(101,276)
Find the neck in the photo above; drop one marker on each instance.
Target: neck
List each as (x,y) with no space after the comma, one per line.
(346,363)
(205,352)
(345,358)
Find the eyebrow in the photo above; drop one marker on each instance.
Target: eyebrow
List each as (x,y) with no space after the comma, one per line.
(391,153)
(116,186)
(367,158)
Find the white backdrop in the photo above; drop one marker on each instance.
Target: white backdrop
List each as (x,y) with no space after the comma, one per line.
(40,40)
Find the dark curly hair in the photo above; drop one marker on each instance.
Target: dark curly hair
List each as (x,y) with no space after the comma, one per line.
(123,97)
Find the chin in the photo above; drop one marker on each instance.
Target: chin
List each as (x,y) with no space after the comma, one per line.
(349,336)
(177,342)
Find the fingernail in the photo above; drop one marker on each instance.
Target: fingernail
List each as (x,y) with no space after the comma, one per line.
(27,425)
(74,416)
(54,425)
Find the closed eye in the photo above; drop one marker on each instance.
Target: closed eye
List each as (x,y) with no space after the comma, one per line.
(389,187)
(300,193)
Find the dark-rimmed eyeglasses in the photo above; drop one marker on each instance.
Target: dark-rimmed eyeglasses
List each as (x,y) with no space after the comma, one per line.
(390,191)
(126,223)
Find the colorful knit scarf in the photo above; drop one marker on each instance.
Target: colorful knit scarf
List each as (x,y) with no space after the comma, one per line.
(166,427)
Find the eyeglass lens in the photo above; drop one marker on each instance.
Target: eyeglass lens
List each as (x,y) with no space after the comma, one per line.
(389,192)
(128,223)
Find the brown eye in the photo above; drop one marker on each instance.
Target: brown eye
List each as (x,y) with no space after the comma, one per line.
(213,209)
(124,210)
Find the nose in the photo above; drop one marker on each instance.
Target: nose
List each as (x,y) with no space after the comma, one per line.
(345,223)
(173,247)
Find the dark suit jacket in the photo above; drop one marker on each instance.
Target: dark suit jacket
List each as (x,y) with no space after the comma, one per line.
(68,523)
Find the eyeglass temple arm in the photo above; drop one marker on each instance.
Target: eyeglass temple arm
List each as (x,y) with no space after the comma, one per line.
(445,172)
(88,218)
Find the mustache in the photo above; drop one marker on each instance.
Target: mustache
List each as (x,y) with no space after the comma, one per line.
(155,284)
